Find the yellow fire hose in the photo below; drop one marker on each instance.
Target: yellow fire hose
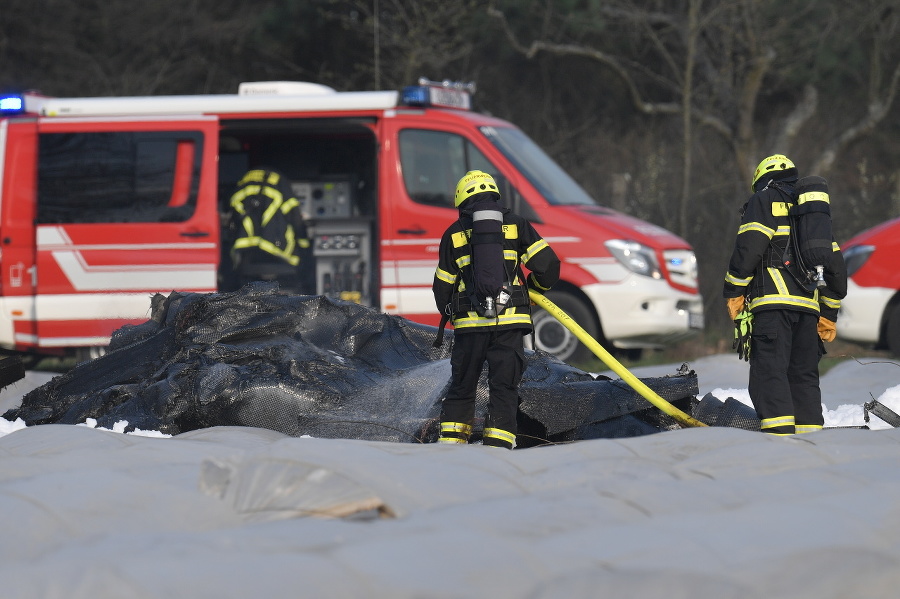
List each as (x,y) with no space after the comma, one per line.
(614,365)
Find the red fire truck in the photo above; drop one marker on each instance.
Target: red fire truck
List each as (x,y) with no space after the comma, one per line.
(105,201)
(870,314)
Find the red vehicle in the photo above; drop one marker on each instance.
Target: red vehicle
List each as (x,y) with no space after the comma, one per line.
(106,201)
(870,314)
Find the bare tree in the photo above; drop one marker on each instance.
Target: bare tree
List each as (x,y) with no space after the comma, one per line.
(414,39)
(881,24)
(712,62)
(744,77)
(117,47)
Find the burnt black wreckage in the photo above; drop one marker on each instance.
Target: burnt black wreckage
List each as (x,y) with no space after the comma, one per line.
(312,365)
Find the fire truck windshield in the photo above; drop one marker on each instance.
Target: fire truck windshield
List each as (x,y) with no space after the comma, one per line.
(540,170)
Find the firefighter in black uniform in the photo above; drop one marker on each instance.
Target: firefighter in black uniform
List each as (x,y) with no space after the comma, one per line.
(789,322)
(480,286)
(269,231)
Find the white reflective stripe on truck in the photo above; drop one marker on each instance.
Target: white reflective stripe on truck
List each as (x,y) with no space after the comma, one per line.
(123,277)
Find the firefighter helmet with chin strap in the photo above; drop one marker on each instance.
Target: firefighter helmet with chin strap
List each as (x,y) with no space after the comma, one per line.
(472,183)
(771,164)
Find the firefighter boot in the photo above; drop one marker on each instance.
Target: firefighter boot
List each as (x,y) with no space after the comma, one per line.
(497,437)
(455,432)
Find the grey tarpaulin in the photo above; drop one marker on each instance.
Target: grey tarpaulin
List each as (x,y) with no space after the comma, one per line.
(311,365)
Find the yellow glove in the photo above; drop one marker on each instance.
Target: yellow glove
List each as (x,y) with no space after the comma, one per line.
(736,305)
(827,329)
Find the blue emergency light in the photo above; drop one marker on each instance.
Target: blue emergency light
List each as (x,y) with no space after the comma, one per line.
(415,95)
(445,94)
(12,104)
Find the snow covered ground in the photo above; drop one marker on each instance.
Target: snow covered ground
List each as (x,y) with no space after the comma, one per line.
(845,387)
(242,512)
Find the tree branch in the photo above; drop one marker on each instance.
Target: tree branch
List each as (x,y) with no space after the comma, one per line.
(612,62)
(802,112)
(878,108)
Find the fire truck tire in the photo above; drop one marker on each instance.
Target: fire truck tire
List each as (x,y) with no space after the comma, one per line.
(892,333)
(552,337)
(86,354)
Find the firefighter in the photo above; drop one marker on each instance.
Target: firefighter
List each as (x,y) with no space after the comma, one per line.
(479,285)
(271,239)
(787,322)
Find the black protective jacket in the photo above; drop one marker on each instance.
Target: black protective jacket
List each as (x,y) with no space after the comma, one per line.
(485,229)
(266,216)
(757,267)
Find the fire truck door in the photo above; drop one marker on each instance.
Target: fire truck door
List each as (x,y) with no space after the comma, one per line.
(18,150)
(432,160)
(125,209)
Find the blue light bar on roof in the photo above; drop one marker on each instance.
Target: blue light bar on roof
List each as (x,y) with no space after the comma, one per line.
(414,95)
(12,104)
(432,95)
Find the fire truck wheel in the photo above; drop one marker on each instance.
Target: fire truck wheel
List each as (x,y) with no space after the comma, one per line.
(552,337)
(893,330)
(85,354)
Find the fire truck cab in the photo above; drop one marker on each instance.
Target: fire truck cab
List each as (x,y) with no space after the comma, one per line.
(106,201)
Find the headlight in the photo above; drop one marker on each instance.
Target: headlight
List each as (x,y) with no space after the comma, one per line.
(855,256)
(635,257)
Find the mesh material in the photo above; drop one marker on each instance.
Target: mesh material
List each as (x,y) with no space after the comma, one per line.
(311,365)
(713,411)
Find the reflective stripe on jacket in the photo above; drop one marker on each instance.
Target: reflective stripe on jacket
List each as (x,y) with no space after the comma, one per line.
(522,245)
(268,216)
(757,269)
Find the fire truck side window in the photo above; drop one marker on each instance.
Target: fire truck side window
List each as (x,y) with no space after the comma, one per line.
(118,177)
(433,161)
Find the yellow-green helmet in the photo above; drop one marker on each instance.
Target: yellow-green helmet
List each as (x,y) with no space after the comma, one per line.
(771,164)
(474,182)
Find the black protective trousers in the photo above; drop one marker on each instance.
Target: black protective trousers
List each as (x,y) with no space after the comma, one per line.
(504,351)
(784,370)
